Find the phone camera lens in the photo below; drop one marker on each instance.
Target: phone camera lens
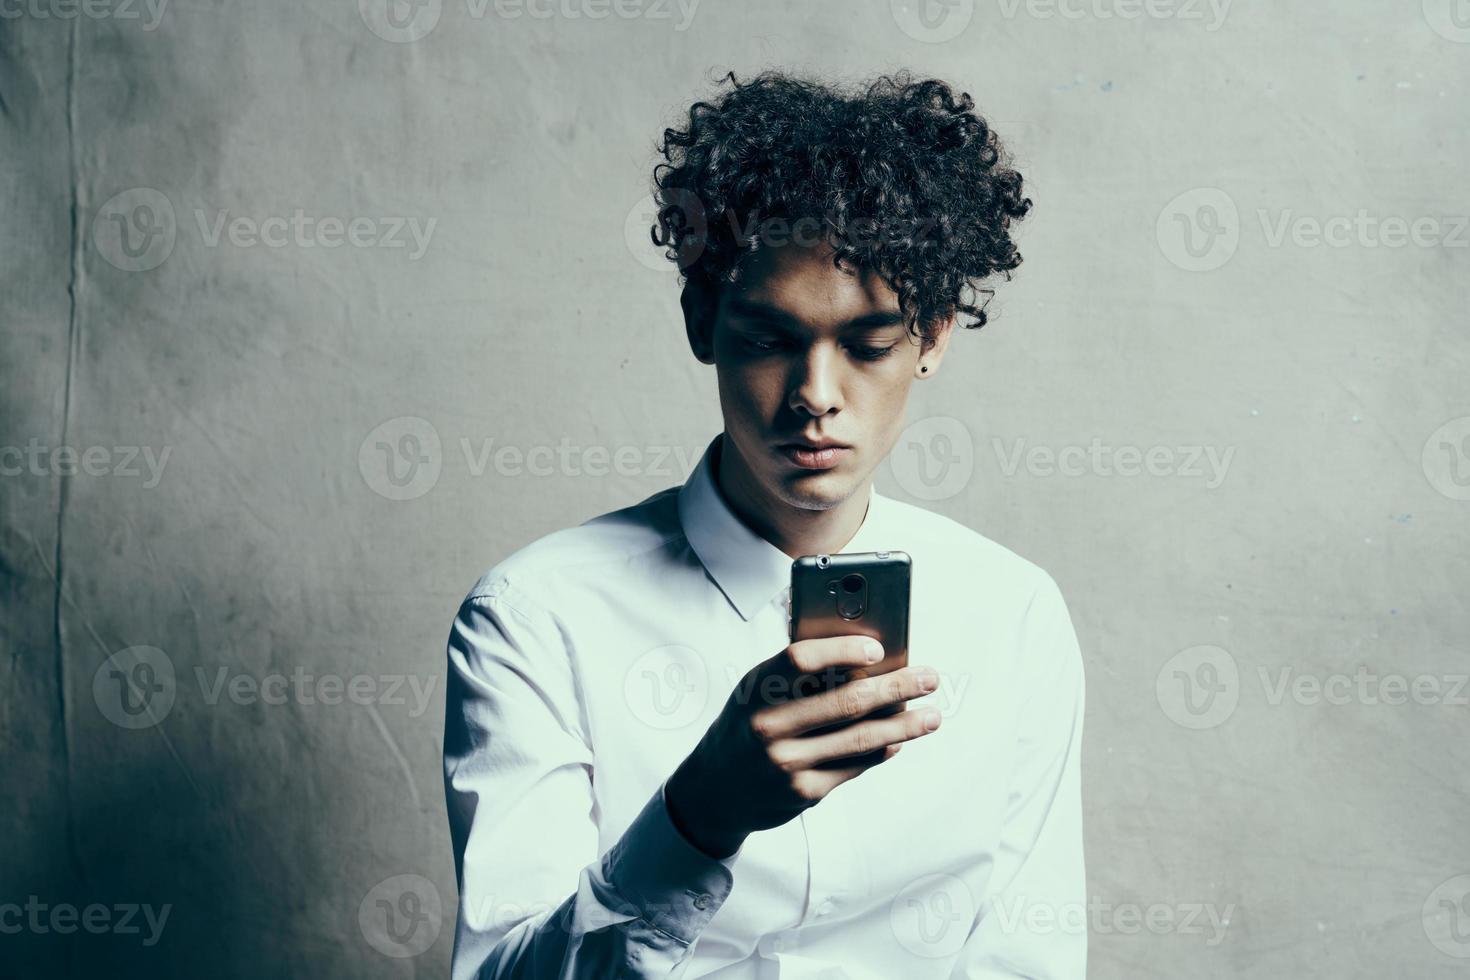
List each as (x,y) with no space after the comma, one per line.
(852,583)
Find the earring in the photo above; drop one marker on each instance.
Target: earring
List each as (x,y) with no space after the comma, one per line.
(925,368)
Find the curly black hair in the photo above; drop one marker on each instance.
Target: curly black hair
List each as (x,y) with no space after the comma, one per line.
(901,177)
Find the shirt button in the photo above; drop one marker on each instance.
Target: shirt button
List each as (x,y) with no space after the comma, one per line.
(701,902)
(825,908)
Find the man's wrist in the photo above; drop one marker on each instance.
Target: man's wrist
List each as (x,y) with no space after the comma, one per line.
(679,795)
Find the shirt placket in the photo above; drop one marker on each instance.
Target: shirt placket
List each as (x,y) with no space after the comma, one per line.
(834,876)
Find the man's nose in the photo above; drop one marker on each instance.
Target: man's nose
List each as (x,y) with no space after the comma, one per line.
(815,387)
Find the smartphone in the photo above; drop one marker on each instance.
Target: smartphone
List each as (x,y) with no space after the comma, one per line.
(865,593)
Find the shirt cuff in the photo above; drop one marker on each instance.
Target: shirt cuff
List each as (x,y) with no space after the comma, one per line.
(676,887)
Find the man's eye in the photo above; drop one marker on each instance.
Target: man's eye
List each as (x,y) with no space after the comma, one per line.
(871,353)
(761,346)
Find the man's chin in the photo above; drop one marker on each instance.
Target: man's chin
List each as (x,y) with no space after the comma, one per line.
(816,489)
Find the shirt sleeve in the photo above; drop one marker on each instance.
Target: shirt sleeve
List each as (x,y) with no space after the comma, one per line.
(535,898)
(1033,921)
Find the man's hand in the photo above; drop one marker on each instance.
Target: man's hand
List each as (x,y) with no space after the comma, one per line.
(773,751)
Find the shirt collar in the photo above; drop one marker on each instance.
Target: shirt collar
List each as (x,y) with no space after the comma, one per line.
(749,570)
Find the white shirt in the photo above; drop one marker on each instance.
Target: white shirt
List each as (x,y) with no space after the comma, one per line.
(586,666)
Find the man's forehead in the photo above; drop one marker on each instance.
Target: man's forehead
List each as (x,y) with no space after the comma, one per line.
(804,282)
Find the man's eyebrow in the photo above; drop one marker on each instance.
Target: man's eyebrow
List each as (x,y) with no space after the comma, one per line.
(763,311)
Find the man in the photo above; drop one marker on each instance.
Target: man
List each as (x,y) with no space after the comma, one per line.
(634,786)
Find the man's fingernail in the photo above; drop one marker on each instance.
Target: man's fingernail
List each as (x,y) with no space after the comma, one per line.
(874,651)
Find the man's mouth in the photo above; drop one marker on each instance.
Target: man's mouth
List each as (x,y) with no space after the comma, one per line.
(814,455)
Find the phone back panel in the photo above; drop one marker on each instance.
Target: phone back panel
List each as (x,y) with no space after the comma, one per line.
(818,597)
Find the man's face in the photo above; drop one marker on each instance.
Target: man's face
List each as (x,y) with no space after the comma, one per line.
(810,356)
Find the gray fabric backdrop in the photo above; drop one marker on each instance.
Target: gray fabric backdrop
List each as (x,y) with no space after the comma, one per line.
(311,311)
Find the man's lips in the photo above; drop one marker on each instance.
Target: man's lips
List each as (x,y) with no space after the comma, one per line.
(814,456)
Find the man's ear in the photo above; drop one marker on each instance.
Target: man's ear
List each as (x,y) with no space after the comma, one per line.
(700,309)
(932,353)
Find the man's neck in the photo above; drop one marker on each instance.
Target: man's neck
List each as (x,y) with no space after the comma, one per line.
(794,530)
